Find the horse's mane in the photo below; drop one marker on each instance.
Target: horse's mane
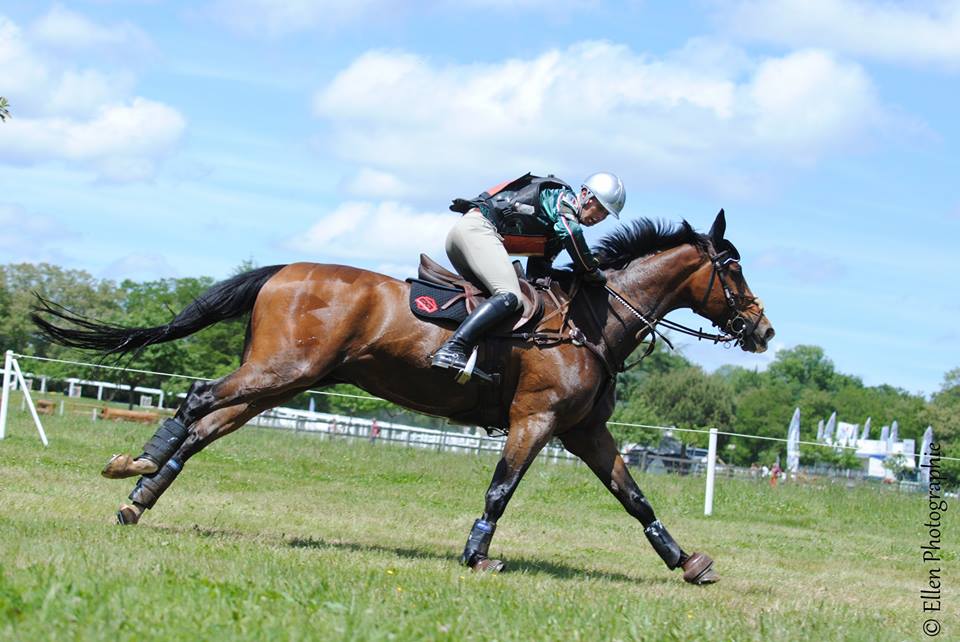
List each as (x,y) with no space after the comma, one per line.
(643,237)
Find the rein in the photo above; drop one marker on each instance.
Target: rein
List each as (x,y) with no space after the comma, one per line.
(737,326)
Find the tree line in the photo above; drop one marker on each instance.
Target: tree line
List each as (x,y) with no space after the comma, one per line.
(665,390)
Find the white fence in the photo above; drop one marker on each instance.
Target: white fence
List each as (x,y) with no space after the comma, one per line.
(467,440)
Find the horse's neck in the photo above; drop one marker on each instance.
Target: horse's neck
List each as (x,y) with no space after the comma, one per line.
(655,285)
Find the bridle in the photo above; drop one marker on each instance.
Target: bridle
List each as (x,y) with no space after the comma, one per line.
(737,325)
(732,332)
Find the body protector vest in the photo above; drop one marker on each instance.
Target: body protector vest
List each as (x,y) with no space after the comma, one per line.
(515,208)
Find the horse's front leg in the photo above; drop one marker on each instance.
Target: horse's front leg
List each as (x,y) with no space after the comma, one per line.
(596,447)
(527,437)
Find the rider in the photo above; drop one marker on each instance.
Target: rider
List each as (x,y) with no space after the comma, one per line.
(531,216)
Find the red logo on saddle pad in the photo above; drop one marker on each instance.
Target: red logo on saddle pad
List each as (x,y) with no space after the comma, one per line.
(427,304)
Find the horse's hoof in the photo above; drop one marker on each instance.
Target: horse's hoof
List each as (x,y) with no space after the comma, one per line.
(698,569)
(123,466)
(117,467)
(127,515)
(487,565)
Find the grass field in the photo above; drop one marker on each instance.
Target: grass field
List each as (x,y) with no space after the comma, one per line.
(279,536)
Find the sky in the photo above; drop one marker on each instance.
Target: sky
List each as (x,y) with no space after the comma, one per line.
(156,139)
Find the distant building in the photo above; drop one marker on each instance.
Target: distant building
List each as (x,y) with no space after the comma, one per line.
(874,453)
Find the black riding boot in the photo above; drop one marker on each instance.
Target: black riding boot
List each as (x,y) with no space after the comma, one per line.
(455,352)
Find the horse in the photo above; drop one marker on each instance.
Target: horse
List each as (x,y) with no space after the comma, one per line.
(313,325)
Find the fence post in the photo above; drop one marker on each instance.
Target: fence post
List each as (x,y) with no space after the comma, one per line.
(5,391)
(711,471)
(26,395)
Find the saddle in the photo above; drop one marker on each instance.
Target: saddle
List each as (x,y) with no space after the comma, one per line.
(440,294)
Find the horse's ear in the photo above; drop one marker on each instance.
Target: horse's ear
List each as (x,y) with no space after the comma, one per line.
(719,228)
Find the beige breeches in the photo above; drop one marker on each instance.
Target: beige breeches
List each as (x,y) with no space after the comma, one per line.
(477,253)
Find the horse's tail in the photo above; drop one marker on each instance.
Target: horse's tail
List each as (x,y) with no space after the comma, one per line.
(225,300)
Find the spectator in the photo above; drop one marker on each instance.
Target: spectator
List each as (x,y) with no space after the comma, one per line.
(775,473)
(374,431)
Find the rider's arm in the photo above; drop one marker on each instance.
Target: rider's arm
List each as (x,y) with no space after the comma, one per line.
(563,206)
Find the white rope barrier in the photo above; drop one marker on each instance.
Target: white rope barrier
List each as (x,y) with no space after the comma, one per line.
(704,431)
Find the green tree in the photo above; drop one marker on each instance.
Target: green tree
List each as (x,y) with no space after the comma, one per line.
(4,109)
(689,398)
(943,413)
(212,352)
(74,289)
(741,379)
(764,411)
(661,361)
(636,410)
(804,366)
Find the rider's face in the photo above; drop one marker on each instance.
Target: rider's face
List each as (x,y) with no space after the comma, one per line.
(593,212)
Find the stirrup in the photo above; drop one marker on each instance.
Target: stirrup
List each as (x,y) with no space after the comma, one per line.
(469,370)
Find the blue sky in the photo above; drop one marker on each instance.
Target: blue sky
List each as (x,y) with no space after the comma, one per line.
(155,139)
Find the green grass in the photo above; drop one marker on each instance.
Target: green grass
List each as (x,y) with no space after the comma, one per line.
(278,536)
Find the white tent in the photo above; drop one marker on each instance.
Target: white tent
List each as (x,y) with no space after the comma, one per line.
(866,430)
(925,456)
(847,434)
(793,443)
(831,427)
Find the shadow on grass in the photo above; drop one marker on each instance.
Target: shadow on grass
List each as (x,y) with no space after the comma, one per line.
(513,565)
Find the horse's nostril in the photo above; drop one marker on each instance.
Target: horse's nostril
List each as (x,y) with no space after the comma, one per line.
(769,334)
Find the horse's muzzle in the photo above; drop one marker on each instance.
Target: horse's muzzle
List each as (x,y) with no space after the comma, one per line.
(760,338)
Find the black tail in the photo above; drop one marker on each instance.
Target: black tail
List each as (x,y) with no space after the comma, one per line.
(225,300)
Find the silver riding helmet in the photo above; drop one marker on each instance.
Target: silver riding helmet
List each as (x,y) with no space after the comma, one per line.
(608,189)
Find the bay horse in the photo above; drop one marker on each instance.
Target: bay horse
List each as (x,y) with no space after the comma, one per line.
(313,325)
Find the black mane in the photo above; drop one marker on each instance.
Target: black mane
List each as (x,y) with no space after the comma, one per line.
(643,237)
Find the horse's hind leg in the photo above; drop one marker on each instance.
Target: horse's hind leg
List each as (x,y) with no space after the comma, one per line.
(596,447)
(247,382)
(218,423)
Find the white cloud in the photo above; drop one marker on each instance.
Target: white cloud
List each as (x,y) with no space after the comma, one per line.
(803,101)
(82,92)
(373,183)
(387,232)
(690,117)
(80,115)
(61,28)
(30,237)
(123,142)
(912,33)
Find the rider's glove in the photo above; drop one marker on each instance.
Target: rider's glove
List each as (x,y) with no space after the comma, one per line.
(595,277)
